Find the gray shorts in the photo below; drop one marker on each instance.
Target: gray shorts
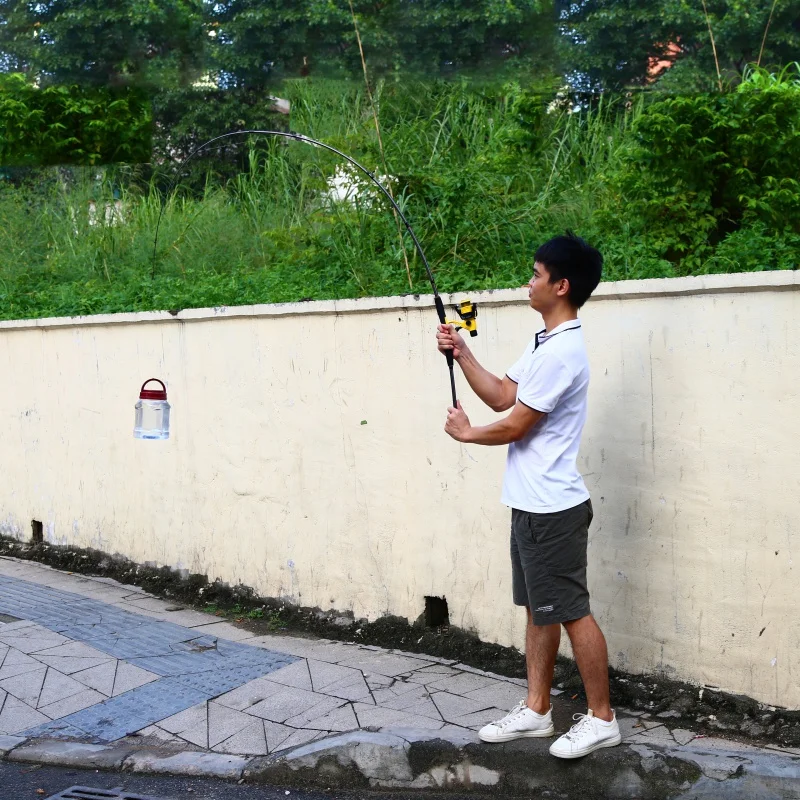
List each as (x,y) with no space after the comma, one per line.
(548,563)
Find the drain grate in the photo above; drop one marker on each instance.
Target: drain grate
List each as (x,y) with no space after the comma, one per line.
(87,793)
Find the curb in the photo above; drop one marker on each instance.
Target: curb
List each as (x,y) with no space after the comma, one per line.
(424,759)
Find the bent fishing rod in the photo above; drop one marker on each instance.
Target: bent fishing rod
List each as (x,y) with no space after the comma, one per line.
(467,311)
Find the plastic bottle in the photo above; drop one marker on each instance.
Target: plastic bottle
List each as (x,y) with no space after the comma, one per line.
(152,413)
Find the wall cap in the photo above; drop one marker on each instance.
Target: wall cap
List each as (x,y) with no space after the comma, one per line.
(740,282)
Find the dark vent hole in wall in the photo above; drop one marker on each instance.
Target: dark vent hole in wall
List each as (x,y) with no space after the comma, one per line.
(37,531)
(436,613)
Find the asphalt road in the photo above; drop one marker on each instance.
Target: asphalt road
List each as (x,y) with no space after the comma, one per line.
(29,782)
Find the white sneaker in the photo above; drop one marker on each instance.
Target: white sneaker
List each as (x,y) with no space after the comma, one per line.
(519,723)
(588,734)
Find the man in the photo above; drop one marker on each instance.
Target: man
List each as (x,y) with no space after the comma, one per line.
(551,511)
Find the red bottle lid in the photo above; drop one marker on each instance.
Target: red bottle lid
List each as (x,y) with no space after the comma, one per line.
(153,394)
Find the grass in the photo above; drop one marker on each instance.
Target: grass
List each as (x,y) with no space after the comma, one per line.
(483,175)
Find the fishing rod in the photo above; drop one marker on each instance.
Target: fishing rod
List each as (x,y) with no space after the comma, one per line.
(467,311)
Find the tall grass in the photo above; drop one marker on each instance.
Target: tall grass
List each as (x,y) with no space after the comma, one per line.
(483,175)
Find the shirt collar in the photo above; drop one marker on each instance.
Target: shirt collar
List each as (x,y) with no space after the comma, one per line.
(570,323)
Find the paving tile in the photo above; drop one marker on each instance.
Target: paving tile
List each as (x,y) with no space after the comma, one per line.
(276,734)
(250,694)
(144,603)
(184,720)
(16,626)
(401,695)
(681,736)
(188,617)
(296,675)
(423,657)
(398,689)
(306,648)
(461,684)
(67,664)
(320,709)
(660,735)
(17,716)
(225,631)
(287,702)
(324,674)
(467,668)
(130,677)
(383,664)
(3,651)
(452,706)
(789,751)
(250,741)
(16,663)
(25,687)
(499,695)
(69,705)
(58,687)
(378,681)
(377,717)
(33,644)
(298,738)
(100,678)
(73,650)
(216,682)
(354,688)
(480,718)
(123,606)
(436,672)
(340,719)
(154,732)
(423,708)
(127,713)
(225,722)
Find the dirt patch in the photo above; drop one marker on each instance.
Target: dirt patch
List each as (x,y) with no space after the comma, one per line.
(704,710)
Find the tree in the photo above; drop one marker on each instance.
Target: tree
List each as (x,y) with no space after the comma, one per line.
(254,41)
(613,43)
(103,42)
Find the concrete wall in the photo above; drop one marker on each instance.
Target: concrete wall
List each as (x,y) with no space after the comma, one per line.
(308,461)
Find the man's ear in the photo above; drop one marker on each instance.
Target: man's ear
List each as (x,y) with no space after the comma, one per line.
(563,287)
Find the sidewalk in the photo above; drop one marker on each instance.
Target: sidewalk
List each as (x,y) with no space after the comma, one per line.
(97,674)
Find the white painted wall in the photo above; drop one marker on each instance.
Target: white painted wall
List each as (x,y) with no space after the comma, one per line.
(307,460)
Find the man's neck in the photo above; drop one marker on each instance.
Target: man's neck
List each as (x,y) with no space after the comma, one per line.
(558,316)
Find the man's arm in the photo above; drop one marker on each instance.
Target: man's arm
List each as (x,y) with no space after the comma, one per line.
(499,394)
(510,429)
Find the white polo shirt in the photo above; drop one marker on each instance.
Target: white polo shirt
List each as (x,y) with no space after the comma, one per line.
(553,377)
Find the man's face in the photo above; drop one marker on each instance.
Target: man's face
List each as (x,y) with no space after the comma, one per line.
(543,294)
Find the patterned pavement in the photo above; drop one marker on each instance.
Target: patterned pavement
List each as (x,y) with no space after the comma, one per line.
(91,660)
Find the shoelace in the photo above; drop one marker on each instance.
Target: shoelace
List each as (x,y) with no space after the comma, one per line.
(580,728)
(512,715)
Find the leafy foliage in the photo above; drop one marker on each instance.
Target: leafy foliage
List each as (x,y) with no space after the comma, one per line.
(104,42)
(484,176)
(704,166)
(612,42)
(71,125)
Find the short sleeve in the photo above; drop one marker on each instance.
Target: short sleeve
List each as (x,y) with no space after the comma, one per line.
(543,383)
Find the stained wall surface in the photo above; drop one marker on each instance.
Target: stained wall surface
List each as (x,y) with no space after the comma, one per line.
(308,461)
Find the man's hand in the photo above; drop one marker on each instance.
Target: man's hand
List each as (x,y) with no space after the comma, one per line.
(448,339)
(457,424)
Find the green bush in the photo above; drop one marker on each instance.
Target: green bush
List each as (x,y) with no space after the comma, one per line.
(663,186)
(71,125)
(701,168)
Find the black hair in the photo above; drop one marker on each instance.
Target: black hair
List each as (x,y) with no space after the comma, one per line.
(572,258)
